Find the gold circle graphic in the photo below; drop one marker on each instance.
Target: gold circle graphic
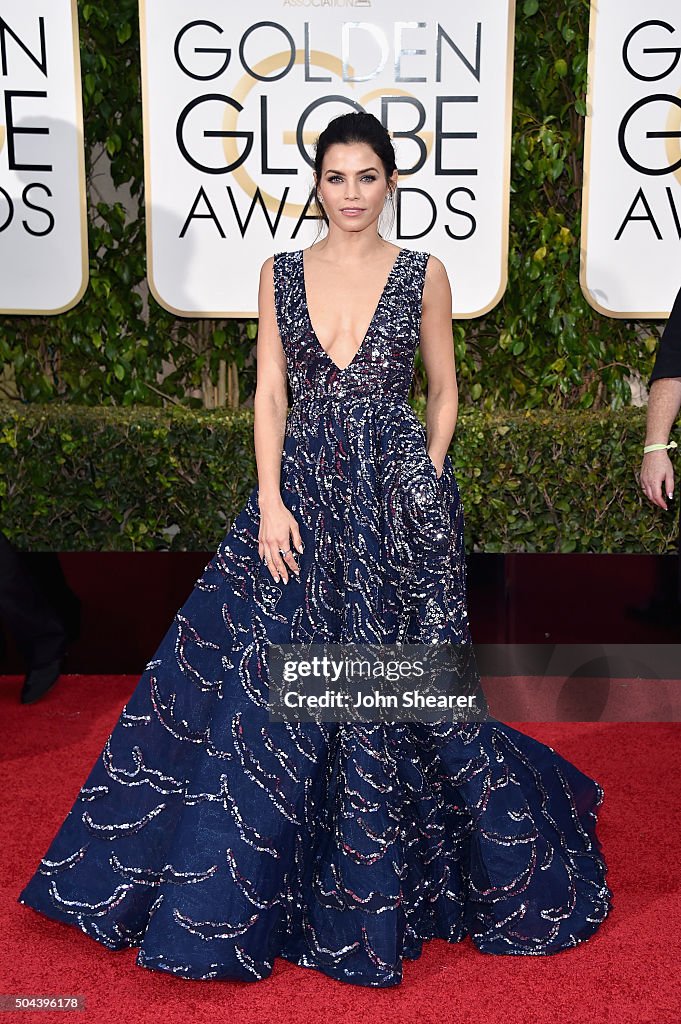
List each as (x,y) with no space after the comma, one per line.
(673,146)
(320,59)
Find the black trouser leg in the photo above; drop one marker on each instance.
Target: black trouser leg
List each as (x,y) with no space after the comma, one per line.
(38,629)
(678,498)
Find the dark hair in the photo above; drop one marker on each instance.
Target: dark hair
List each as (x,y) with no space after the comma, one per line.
(348,128)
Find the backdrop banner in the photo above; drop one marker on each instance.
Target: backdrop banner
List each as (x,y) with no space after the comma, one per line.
(631,224)
(232,106)
(43,226)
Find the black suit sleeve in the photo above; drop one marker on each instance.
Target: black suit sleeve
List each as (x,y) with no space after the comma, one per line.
(668,361)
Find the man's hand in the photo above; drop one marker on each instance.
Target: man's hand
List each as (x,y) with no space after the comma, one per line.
(657,477)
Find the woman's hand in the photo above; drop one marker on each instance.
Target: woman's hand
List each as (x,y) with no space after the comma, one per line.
(657,477)
(277,527)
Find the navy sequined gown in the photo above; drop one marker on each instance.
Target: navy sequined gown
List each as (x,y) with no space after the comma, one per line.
(216,840)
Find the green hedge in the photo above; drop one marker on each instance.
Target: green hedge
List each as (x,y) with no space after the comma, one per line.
(73,478)
(543,346)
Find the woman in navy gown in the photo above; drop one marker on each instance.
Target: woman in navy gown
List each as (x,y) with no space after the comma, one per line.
(215,839)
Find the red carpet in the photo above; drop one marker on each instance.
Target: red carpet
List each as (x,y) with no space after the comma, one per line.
(624,974)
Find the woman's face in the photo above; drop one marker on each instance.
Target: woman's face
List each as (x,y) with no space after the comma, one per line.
(353,185)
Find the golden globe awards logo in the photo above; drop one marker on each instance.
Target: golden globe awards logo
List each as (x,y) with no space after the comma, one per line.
(649,63)
(36,218)
(632,192)
(42,176)
(232,107)
(233,160)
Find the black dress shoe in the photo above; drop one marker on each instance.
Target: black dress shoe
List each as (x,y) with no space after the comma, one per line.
(39,680)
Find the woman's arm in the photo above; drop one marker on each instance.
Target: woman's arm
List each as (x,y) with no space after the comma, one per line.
(437,350)
(269,426)
(270,402)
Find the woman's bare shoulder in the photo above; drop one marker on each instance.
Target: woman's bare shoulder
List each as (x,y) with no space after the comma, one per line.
(435,267)
(267,267)
(436,287)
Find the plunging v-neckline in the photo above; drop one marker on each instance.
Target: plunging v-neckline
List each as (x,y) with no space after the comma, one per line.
(342,369)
